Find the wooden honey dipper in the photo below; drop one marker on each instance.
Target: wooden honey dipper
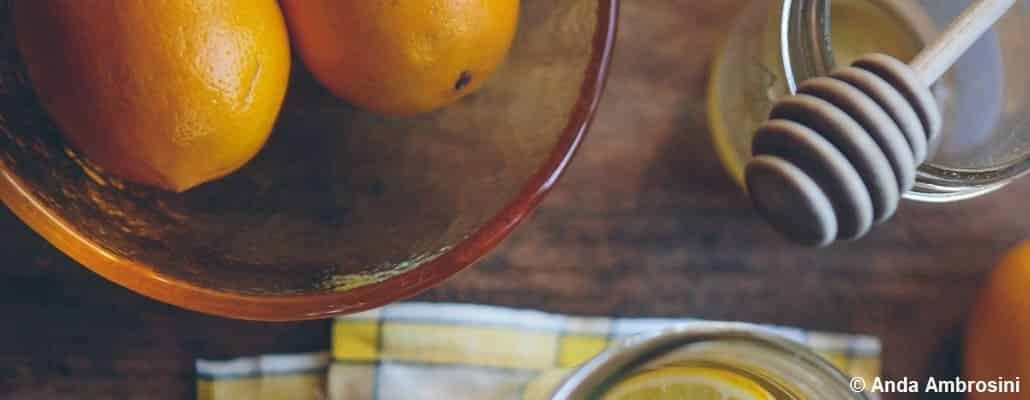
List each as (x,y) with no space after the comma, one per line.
(834,158)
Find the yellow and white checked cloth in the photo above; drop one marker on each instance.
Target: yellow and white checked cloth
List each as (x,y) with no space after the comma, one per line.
(413,351)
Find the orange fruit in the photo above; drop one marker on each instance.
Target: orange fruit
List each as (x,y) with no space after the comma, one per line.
(402,57)
(166,93)
(997,340)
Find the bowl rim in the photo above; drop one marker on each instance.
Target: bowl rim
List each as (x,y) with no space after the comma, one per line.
(145,280)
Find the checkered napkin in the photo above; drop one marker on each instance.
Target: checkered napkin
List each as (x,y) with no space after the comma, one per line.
(414,351)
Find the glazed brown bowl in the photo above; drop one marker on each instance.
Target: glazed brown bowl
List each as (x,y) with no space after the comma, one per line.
(342,210)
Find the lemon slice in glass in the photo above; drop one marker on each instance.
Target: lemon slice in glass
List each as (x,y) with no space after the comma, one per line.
(688,383)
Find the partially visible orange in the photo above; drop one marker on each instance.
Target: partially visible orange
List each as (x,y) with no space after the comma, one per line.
(402,57)
(997,341)
(166,93)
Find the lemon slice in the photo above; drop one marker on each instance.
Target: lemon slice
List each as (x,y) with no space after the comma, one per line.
(688,383)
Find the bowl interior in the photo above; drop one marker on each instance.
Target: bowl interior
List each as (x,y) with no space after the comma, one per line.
(338,198)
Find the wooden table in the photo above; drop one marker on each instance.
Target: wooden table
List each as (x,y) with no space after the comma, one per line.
(645,223)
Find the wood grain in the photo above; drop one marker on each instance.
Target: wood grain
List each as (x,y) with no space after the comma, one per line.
(645,223)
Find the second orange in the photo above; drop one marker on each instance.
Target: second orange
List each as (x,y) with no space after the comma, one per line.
(402,57)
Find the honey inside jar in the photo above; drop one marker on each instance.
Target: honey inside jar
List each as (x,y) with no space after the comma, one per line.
(859,27)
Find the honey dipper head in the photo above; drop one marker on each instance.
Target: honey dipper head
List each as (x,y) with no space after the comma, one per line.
(835,157)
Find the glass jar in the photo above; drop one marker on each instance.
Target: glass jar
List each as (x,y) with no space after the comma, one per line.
(984,98)
(784,369)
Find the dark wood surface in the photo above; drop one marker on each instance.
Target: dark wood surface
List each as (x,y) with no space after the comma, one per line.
(645,223)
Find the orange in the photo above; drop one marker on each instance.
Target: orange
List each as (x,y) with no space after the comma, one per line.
(402,57)
(997,341)
(167,93)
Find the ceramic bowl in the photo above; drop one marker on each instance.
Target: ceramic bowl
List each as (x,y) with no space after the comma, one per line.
(342,210)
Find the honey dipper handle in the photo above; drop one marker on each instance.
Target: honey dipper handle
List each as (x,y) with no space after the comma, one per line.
(936,58)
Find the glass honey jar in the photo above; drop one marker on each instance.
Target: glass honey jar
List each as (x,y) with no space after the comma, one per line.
(984,99)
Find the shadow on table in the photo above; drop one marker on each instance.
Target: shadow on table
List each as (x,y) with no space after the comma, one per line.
(946,363)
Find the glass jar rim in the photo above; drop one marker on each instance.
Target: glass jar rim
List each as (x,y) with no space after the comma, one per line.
(804,37)
(617,361)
